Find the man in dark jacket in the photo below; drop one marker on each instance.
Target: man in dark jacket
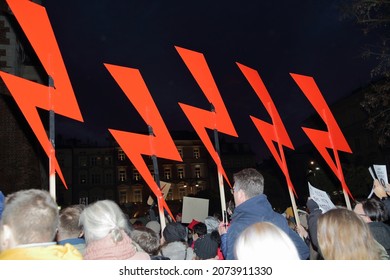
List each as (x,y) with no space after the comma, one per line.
(374,213)
(252,206)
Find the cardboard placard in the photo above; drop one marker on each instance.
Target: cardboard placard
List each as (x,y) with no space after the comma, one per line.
(321,198)
(194,208)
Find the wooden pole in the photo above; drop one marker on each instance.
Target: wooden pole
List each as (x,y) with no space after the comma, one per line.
(157,180)
(52,171)
(219,167)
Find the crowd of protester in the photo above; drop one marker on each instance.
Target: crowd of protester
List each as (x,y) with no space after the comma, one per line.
(32,227)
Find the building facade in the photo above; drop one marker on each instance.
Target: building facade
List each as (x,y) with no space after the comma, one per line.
(96,173)
(22,163)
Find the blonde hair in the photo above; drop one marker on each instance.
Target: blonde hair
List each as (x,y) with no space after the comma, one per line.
(343,235)
(32,215)
(265,241)
(102,218)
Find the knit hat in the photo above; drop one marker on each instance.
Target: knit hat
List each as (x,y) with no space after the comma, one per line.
(211,223)
(155,226)
(175,232)
(205,247)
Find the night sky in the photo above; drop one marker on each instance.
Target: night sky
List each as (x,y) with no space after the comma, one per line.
(273,37)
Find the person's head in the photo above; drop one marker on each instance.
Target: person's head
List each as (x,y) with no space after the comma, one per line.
(200,230)
(371,210)
(102,218)
(206,248)
(264,241)
(138,223)
(155,226)
(178,217)
(211,223)
(69,226)
(147,239)
(29,216)
(247,184)
(343,235)
(192,224)
(175,232)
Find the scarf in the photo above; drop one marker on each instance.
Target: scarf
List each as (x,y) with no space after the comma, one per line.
(107,249)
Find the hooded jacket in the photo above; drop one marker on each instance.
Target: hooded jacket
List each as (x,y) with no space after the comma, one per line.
(255,210)
(177,250)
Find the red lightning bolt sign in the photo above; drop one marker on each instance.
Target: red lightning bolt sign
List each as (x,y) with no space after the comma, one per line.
(29,95)
(274,132)
(201,119)
(135,145)
(218,120)
(333,138)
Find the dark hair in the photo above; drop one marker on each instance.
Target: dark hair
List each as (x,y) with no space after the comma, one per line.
(215,236)
(375,210)
(138,223)
(200,229)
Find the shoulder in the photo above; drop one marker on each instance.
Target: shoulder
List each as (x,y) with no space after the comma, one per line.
(140,256)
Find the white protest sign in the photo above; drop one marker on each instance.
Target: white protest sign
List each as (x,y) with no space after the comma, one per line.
(378,172)
(164,189)
(321,198)
(194,208)
(381,174)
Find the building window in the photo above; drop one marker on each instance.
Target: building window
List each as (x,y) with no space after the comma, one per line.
(107,160)
(93,161)
(83,200)
(167,173)
(197,172)
(122,197)
(108,178)
(83,178)
(196,153)
(180,172)
(121,155)
(151,170)
(182,192)
(180,150)
(136,175)
(95,179)
(137,194)
(122,175)
(169,195)
(198,188)
(83,161)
